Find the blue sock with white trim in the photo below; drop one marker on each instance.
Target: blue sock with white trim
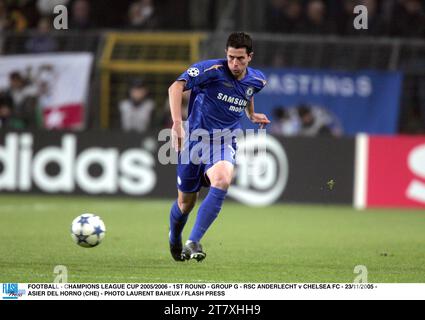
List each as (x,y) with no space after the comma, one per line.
(208,212)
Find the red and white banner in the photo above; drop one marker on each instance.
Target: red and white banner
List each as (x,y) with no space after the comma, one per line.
(58,81)
(390,172)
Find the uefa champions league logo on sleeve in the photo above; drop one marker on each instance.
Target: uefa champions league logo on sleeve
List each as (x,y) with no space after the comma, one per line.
(193,72)
(10,291)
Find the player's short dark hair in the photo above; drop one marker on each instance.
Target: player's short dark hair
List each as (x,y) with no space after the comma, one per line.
(239,40)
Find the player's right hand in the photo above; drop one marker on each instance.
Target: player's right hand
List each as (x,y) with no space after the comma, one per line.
(177,136)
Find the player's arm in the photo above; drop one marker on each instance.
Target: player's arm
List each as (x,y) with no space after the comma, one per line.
(175,96)
(259,118)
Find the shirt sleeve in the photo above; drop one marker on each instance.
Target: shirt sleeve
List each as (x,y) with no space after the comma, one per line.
(198,75)
(260,82)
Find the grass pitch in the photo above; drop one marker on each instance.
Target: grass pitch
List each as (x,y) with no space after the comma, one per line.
(280,243)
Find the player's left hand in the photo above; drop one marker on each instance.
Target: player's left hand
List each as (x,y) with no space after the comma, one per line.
(260,118)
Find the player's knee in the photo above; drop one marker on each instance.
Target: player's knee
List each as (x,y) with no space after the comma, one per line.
(186,205)
(221,182)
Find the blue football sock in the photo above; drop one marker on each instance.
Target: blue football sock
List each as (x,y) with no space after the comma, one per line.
(177,222)
(208,212)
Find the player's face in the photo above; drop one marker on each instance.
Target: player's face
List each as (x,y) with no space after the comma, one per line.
(238,60)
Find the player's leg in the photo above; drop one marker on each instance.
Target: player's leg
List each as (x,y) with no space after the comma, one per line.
(220,176)
(180,213)
(178,217)
(188,186)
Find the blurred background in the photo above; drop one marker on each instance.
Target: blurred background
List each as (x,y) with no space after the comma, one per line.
(109,71)
(314,34)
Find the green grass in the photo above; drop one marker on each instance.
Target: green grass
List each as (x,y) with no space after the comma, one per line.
(280,243)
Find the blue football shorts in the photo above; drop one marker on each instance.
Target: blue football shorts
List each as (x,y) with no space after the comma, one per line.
(194,162)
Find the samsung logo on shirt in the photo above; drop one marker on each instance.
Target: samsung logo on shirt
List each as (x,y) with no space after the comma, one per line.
(232,100)
(236,109)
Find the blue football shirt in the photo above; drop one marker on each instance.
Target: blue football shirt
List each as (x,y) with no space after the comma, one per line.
(218,100)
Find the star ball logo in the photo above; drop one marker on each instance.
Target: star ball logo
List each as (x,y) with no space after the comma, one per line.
(11,291)
(193,72)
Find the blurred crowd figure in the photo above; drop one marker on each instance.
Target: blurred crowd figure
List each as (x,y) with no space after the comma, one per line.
(18,103)
(394,18)
(305,120)
(42,41)
(136,110)
(142,15)
(402,18)
(20,15)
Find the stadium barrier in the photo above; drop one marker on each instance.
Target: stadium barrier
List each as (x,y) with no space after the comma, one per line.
(158,57)
(390,172)
(297,170)
(366,171)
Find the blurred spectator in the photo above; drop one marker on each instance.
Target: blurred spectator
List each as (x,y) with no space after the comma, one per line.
(275,14)
(345,18)
(136,111)
(174,15)
(284,16)
(42,41)
(141,15)
(285,122)
(294,19)
(408,19)
(376,25)
(11,17)
(376,22)
(316,21)
(278,59)
(80,16)
(404,18)
(45,7)
(305,120)
(201,14)
(28,8)
(309,125)
(5,22)
(314,17)
(21,101)
(5,110)
(316,121)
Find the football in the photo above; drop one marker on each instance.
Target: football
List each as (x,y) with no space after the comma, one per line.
(88,230)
